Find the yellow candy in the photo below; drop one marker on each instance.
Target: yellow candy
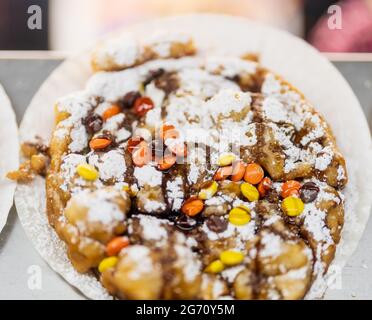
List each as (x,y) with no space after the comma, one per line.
(215,267)
(293,206)
(231,258)
(249,191)
(87,172)
(209,192)
(239,216)
(226,159)
(107,263)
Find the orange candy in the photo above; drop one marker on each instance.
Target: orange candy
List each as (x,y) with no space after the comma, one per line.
(115,245)
(178,148)
(142,105)
(133,143)
(264,186)
(253,173)
(238,171)
(223,173)
(168,131)
(110,112)
(167,162)
(290,188)
(141,154)
(192,206)
(99,143)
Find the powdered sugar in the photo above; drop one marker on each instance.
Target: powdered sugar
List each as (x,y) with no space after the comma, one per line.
(175,193)
(148,175)
(153,228)
(111,165)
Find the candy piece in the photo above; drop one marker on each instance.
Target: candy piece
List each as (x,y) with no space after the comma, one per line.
(87,172)
(238,172)
(223,173)
(167,162)
(253,173)
(249,191)
(126,189)
(107,263)
(264,186)
(130,98)
(143,105)
(192,206)
(290,188)
(110,112)
(309,192)
(216,224)
(115,245)
(231,258)
(168,131)
(293,206)
(215,267)
(208,190)
(133,143)
(226,159)
(239,216)
(185,223)
(141,155)
(176,147)
(99,143)
(93,123)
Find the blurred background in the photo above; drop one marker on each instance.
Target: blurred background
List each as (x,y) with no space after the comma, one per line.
(70,25)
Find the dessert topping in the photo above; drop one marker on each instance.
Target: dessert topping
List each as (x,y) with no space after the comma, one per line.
(239,216)
(130,98)
(192,206)
(168,131)
(223,173)
(231,258)
(290,188)
(253,173)
(107,263)
(226,159)
(133,143)
(215,267)
(249,191)
(116,245)
(87,172)
(208,190)
(216,224)
(93,123)
(142,105)
(166,162)
(309,192)
(238,172)
(293,206)
(264,186)
(111,111)
(141,155)
(99,143)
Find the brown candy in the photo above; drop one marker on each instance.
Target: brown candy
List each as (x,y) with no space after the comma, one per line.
(308,192)
(216,224)
(185,223)
(130,98)
(93,123)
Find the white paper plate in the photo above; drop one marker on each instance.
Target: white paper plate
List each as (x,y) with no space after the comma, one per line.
(9,155)
(281,52)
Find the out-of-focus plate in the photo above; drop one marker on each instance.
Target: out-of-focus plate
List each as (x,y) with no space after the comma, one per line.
(9,155)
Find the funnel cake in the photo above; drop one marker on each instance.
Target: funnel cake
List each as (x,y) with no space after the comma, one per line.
(178,175)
